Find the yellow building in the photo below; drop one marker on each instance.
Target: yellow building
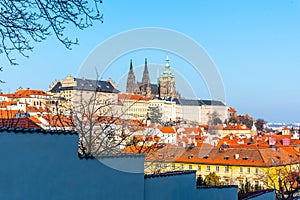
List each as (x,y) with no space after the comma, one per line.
(263,167)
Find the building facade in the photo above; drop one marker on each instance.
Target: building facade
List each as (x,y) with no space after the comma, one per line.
(75,93)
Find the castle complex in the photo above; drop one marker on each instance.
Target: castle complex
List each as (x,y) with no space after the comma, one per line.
(164,88)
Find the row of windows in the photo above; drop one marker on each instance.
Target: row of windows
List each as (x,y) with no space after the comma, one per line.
(208,168)
(226,169)
(138,110)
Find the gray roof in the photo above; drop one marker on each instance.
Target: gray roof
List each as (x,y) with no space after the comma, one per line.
(213,102)
(197,102)
(190,102)
(87,85)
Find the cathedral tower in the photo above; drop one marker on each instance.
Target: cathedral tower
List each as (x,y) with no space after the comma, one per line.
(146,87)
(167,82)
(131,84)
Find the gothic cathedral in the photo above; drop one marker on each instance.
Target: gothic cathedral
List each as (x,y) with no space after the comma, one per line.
(165,87)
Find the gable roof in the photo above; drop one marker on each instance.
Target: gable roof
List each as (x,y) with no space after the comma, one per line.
(28,93)
(167,129)
(232,110)
(24,123)
(206,154)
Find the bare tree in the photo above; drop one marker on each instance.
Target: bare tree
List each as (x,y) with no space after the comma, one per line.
(25,21)
(154,114)
(145,141)
(95,119)
(214,118)
(285,180)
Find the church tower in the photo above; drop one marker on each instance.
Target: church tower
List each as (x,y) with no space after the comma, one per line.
(167,82)
(131,84)
(146,87)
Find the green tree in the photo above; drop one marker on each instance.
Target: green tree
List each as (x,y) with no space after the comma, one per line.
(214,118)
(260,124)
(246,187)
(246,121)
(200,181)
(212,179)
(154,114)
(233,120)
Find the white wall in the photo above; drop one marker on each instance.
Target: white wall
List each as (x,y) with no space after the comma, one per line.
(191,113)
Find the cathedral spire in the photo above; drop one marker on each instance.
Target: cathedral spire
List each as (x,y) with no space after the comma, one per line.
(145,89)
(167,59)
(167,72)
(146,79)
(167,82)
(131,84)
(146,67)
(131,68)
(167,66)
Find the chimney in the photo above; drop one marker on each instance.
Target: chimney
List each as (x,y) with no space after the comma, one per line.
(236,156)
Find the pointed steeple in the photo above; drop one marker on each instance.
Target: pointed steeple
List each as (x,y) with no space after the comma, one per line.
(167,72)
(131,68)
(146,89)
(131,84)
(146,79)
(167,66)
(146,67)
(167,82)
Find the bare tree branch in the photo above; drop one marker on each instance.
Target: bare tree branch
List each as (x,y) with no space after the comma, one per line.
(25,21)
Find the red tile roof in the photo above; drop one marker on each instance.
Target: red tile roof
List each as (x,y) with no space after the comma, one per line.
(58,121)
(232,110)
(286,128)
(18,123)
(132,97)
(207,154)
(27,93)
(167,129)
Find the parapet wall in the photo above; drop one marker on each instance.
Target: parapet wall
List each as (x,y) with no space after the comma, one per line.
(46,166)
(182,185)
(39,164)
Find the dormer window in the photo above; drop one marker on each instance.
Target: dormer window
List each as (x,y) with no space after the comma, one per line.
(245,158)
(226,158)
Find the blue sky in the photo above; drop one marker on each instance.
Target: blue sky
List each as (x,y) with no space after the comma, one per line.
(254,44)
